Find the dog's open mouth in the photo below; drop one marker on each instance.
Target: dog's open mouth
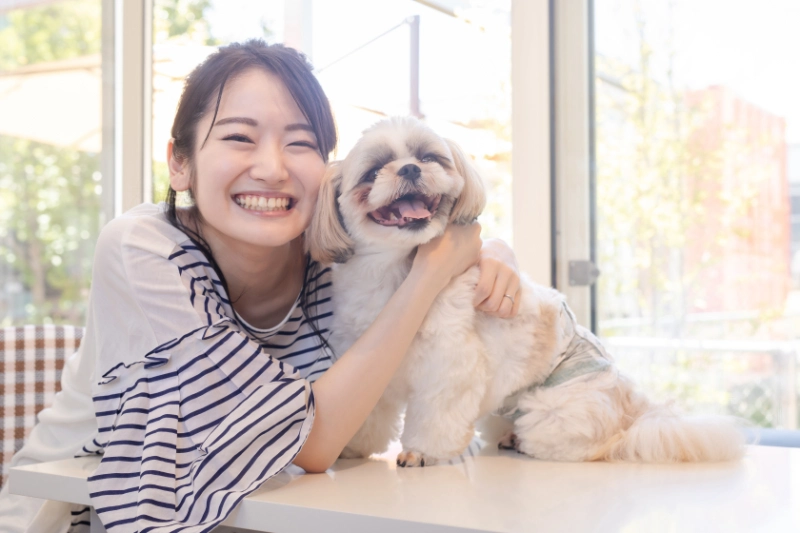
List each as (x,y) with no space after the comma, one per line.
(411,210)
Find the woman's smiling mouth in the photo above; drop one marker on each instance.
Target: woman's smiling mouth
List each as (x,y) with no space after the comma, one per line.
(264,204)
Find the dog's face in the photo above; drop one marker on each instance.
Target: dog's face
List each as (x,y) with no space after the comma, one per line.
(398,187)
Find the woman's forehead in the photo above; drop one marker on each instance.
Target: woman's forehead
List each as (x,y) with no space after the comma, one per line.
(258,91)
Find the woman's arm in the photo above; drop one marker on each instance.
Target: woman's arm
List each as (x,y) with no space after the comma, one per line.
(347,392)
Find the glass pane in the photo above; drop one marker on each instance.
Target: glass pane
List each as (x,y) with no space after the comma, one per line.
(698,132)
(363,64)
(50,143)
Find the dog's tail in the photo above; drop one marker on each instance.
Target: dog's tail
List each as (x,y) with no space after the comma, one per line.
(660,435)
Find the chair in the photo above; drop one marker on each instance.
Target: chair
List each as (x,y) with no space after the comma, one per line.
(31,360)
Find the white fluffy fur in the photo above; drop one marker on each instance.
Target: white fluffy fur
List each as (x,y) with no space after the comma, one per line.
(463,363)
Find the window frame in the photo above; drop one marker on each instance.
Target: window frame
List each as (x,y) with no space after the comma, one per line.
(127,104)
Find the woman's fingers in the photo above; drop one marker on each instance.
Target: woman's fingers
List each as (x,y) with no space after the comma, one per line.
(494,301)
(503,301)
(452,253)
(497,288)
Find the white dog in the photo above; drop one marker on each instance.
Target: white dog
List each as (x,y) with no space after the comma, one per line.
(398,188)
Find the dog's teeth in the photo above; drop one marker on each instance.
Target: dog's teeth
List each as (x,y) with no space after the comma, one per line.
(392,217)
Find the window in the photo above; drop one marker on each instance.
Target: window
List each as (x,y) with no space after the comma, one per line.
(695,116)
(50,146)
(400,63)
(104,149)
(366,67)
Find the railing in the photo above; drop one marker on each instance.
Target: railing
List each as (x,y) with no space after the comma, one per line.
(756,380)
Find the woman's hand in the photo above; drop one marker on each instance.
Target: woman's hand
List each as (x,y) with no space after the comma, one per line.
(450,254)
(498,291)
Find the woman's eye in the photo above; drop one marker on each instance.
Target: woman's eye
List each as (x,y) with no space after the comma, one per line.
(238,138)
(307,144)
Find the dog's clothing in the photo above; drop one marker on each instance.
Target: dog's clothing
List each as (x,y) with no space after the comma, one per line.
(580,355)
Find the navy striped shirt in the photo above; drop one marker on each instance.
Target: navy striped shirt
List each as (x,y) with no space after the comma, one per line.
(195,408)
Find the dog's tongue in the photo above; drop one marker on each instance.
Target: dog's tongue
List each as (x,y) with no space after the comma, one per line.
(411,208)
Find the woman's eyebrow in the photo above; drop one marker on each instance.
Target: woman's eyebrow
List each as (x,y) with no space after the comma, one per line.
(236,120)
(299,126)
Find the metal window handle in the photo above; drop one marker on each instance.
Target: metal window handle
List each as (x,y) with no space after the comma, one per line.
(582,273)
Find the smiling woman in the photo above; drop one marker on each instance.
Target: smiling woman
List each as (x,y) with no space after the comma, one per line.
(205,357)
(278,148)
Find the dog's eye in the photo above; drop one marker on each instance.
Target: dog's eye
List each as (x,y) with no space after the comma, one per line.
(371,175)
(429,158)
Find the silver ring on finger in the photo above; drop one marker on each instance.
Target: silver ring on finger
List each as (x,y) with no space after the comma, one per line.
(510,298)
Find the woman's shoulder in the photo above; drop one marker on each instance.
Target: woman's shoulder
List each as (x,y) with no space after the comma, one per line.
(143,227)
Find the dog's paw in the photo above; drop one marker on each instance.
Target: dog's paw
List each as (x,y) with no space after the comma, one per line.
(509,442)
(412,458)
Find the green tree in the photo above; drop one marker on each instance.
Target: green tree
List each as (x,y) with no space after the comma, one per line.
(49,219)
(49,195)
(678,188)
(60,30)
(184,19)
(654,184)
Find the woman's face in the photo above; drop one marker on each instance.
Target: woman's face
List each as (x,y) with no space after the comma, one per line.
(256,178)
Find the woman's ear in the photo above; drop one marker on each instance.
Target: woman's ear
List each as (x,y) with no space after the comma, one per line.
(472,200)
(179,171)
(326,238)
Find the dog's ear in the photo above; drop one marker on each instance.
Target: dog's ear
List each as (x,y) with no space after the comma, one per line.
(472,199)
(326,239)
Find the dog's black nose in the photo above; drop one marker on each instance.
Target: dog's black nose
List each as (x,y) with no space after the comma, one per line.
(410,172)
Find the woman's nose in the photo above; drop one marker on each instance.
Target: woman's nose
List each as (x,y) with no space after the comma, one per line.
(268,165)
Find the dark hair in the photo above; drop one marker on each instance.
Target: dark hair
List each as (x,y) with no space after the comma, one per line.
(203,89)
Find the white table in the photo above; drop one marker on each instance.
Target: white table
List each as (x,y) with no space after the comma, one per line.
(498,491)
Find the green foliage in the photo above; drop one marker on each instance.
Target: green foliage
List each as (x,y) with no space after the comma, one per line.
(652,189)
(49,220)
(677,186)
(54,31)
(184,19)
(50,196)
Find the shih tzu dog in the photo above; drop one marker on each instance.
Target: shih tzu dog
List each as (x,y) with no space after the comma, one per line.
(550,380)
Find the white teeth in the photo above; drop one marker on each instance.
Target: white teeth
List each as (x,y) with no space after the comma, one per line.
(391,216)
(262,203)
